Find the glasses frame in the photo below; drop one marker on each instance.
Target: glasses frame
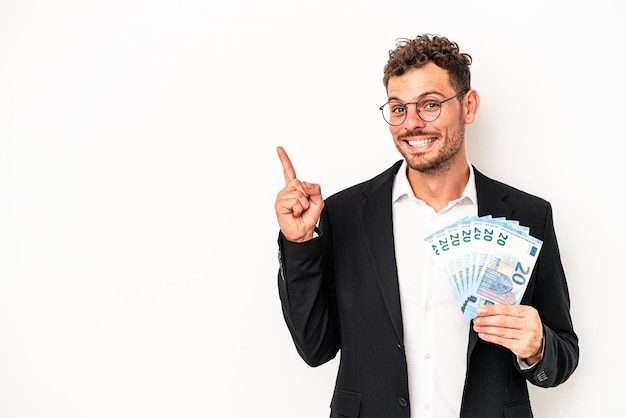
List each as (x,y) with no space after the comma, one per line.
(417,110)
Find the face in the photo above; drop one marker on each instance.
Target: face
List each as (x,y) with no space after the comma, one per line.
(429,147)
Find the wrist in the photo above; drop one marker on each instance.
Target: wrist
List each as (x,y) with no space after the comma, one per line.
(535,358)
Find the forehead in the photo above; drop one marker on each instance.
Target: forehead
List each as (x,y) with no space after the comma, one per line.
(427,79)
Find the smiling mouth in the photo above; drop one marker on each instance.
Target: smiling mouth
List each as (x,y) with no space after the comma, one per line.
(420,142)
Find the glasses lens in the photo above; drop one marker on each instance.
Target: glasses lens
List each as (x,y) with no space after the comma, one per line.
(429,108)
(394,112)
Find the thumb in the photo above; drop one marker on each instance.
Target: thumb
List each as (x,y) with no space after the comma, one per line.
(315,193)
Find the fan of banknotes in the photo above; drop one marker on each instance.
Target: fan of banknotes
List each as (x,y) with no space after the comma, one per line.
(486,260)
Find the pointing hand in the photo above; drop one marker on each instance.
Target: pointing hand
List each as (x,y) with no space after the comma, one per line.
(299,205)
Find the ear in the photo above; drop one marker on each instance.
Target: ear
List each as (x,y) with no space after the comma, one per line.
(472,100)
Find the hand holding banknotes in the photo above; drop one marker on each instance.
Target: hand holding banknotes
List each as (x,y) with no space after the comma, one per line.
(488,262)
(516,327)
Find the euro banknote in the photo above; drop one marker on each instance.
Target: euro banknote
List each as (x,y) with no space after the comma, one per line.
(486,260)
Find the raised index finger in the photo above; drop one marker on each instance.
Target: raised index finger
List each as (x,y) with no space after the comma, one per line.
(288,171)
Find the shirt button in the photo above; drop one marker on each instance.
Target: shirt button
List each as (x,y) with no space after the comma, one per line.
(426,405)
(403,402)
(427,308)
(427,356)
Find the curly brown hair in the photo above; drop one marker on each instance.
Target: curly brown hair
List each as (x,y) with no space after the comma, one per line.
(413,53)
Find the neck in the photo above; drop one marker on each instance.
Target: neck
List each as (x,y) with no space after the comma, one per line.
(437,189)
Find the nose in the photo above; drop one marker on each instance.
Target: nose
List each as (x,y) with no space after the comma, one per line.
(413,121)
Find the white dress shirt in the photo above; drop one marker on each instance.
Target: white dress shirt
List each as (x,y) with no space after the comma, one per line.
(435,331)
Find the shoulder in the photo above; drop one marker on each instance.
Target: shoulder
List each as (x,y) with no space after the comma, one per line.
(378,183)
(489,187)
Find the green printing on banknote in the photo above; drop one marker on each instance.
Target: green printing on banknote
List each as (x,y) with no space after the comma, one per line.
(486,260)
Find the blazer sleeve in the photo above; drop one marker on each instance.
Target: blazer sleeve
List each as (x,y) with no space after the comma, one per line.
(307,294)
(550,296)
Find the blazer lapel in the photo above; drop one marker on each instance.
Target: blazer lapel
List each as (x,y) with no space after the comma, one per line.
(376,221)
(491,198)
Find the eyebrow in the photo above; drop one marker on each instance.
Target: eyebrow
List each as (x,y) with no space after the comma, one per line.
(427,93)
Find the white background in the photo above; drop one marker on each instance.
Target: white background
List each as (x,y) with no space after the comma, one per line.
(138,174)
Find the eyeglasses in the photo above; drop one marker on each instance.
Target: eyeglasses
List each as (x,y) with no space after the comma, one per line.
(428,109)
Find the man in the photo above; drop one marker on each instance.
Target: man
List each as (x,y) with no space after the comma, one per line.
(362,282)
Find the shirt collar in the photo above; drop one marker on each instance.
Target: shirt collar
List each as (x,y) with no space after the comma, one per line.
(402,187)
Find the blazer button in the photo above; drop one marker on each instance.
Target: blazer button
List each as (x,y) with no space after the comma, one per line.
(403,402)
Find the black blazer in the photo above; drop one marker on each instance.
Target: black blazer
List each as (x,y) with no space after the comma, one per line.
(339,292)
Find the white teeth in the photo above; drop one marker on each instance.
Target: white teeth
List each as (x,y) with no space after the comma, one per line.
(421,142)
